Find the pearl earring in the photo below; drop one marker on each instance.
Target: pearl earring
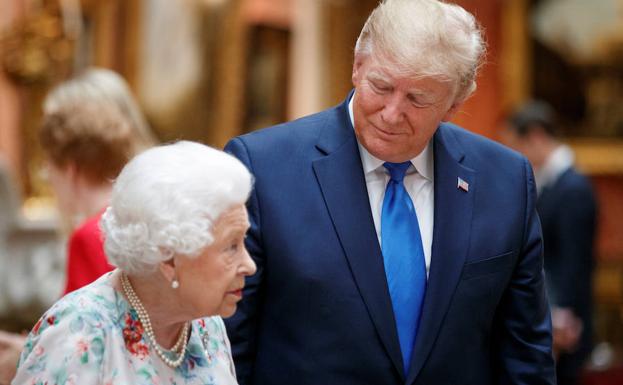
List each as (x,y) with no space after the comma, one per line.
(175,284)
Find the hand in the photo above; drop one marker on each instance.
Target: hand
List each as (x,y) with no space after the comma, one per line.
(567,329)
(10,348)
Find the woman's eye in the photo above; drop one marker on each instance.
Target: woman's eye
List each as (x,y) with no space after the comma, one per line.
(232,248)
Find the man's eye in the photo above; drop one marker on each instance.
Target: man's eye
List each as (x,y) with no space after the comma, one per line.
(380,87)
(417,102)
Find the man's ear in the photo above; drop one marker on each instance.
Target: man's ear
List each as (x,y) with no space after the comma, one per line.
(356,75)
(454,108)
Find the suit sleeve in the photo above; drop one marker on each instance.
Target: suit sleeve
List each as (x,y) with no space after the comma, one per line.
(522,329)
(575,230)
(242,327)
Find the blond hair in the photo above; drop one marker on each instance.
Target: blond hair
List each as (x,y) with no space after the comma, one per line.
(426,38)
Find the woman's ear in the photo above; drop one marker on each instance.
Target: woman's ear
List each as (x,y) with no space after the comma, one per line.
(167,269)
(71,170)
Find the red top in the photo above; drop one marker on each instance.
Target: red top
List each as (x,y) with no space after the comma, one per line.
(86,261)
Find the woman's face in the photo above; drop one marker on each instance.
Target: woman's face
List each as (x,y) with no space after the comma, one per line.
(211,283)
(62,181)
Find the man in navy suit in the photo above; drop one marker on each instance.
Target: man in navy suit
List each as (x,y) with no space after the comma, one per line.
(393,248)
(567,209)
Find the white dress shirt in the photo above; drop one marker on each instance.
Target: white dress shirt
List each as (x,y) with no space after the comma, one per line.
(559,161)
(418,183)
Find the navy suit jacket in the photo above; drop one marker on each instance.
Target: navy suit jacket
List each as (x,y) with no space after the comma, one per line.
(568,212)
(318,309)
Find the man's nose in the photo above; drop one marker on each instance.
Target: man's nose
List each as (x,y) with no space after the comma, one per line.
(393,111)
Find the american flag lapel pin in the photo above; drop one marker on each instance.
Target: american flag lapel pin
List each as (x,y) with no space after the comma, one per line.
(461,184)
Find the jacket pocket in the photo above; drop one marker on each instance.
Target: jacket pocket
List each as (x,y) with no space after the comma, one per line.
(498,263)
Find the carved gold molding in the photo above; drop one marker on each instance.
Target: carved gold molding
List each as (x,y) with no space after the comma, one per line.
(599,156)
(36,49)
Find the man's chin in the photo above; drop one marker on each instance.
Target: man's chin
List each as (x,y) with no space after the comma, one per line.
(385,151)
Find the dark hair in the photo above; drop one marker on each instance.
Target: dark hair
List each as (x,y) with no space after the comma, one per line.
(534,114)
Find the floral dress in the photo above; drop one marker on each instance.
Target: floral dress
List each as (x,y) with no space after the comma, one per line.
(93,336)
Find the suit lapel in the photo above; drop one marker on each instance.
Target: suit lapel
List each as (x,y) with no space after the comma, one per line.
(453,216)
(341,179)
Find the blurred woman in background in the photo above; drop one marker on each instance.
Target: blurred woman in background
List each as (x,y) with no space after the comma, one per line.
(86,146)
(91,127)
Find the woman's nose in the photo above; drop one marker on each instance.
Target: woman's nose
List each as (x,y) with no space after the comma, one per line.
(248,265)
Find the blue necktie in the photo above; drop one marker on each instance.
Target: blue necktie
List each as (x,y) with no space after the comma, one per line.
(403,258)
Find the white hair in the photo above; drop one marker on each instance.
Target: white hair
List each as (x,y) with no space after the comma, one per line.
(165,201)
(426,38)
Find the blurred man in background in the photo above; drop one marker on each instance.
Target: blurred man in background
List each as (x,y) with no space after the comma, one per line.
(567,208)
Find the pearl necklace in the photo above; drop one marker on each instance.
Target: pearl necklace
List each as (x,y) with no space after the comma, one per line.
(178,349)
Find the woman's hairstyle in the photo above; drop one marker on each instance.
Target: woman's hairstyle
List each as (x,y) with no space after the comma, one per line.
(95,138)
(427,38)
(102,87)
(165,201)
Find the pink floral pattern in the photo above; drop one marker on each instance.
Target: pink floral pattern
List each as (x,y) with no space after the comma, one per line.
(133,336)
(92,336)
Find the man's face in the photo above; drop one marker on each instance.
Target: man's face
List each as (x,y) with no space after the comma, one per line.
(527,144)
(396,115)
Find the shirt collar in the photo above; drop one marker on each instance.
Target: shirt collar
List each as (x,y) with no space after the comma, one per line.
(556,163)
(423,162)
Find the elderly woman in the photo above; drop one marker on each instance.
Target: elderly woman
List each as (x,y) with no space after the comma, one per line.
(175,230)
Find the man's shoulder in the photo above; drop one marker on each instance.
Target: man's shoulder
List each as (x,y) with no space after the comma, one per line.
(574,183)
(299,130)
(477,147)
(573,177)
